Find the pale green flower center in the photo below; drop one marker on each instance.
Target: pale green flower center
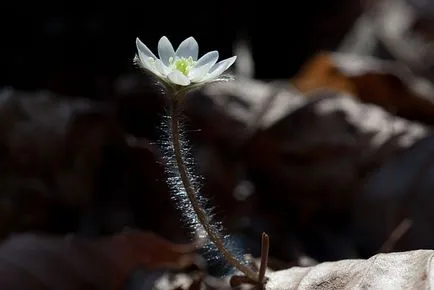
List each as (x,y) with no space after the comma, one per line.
(184,65)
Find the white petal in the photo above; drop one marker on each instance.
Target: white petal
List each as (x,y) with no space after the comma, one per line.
(188,47)
(144,50)
(145,56)
(178,78)
(161,68)
(219,68)
(206,59)
(165,50)
(203,65)
(147,63)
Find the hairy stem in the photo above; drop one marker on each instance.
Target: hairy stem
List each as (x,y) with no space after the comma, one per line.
(189,189)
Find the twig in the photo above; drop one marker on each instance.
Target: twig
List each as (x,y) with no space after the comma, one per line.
(396,235)
(238,280)
(265,245)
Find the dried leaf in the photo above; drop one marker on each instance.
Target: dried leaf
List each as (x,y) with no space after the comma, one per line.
(30,261)
(312,155)
(66,167)
(401,189)
(51,149)
(388,84)
(406,270)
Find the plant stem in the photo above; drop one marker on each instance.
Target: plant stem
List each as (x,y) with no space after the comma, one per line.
(189,189)
(265,246)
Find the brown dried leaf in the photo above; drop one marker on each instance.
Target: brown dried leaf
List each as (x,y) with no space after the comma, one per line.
(313,155)
(30,261)
(405,270)
(51,151)
(388,84)
(400,190)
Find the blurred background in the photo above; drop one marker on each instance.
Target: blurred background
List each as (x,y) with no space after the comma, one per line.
(323,140)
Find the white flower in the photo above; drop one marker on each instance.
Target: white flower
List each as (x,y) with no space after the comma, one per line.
(181,67)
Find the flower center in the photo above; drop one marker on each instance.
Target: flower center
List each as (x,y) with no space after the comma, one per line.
(182,64)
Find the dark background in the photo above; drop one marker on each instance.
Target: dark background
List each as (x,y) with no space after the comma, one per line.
(80,48)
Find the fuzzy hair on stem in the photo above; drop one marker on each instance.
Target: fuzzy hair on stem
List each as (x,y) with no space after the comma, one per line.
(185,188)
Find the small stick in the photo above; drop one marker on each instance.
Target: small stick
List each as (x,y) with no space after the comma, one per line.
(265,246)
(396,235)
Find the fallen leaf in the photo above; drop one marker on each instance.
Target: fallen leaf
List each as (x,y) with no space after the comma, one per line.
(33,261)
(405,270)
(311,155)
(400,189)
(388,84)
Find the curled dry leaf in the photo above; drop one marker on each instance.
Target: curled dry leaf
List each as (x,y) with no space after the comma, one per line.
(66,167)
(30,261)
(312,155)
(52,150)
(388,84)
(405,270)
(400,190)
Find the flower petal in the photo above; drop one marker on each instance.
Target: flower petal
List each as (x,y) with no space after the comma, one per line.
(144,50)
(161,68)
(210,57)
(148,63)
(165,50)
(178,78)
(203,65)
(219,68)
(187,48)
(145,56)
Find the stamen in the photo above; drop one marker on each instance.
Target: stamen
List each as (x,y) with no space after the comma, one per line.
(184,65)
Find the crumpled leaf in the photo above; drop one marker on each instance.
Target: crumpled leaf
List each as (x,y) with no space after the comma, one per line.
(66,167)
(388,84)
(312,155)
(401,189)
(51,148)
(405,270)
(31,261)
